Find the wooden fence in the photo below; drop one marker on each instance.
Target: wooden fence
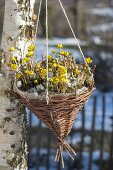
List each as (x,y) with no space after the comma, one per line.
(94,154)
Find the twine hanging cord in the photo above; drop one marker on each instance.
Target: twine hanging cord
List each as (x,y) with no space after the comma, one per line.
(47,53)
(72,30)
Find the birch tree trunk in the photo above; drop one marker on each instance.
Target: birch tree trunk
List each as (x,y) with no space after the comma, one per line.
(13,150)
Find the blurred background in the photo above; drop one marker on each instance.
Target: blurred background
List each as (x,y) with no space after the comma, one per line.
(92,133)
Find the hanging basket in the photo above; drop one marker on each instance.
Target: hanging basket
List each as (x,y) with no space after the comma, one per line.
(59,115)
(58,106)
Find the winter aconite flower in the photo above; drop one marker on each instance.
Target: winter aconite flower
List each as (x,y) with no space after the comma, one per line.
(50,57)
(37,66)
(43,73)
(60,46)
(26,59)
(64,74)
(61,52)
(12,49)
(67,54)
(53,51)
(77,71)
(18,75)
(29,54)
(54,64)
(29,72)
(31,47)
(13,66)
(64,80)
(89,60)
(13,58)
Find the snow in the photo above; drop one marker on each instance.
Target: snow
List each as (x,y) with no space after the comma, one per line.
(64,41)
(85,159)
(70,42)
(97,40)
(102,27)
(105,12)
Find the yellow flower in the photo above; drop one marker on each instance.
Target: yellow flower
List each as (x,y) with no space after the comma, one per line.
(87,68)
(36,81)
(13,58)
(12,49)
(50,57)
(26,59)
(53,51)
(18,75)
(89,60)
(26,71)
(54,80)
(61,52)
(62,69)
(31,47)
(60,46)
(37,66)
(54,64)
(13,66)
(77,71)
(54,61)
(50,69)
(63,79)
(29,72)
(67,54)
(43,73)
(29,54)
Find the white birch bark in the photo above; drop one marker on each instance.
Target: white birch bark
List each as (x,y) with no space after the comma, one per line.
(12,122)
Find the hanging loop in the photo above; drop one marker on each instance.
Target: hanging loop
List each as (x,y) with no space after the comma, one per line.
(72,30)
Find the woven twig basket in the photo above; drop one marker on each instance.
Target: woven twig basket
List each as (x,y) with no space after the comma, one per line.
(58,116)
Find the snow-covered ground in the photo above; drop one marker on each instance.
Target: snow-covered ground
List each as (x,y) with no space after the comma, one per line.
(105,12)
(97,40)
(70,42)
(106,27)
(52,163)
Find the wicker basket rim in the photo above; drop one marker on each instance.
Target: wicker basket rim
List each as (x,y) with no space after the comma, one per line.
(51,95)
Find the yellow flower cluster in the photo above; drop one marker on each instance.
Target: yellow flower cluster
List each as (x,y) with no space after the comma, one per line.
(30,53)
(76,71)
(89,60)
(18,75)
(13,66)
(25,59)
(62,70)
(64,73)
(43,73)
(67,54)
(29,72)
(56,80)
